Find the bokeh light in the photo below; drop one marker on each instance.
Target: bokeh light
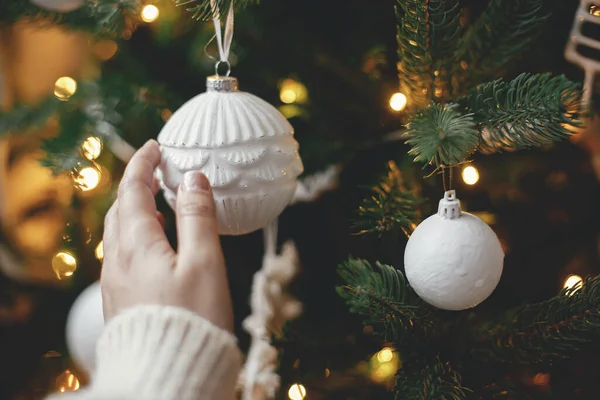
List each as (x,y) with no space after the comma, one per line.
(64,265)
(470,175)
(291,91)
(297,392)
(99,252)
(92,147)
(64,88)
(150,13)
(87,178)
(67,382)
(572,281)
(398,101)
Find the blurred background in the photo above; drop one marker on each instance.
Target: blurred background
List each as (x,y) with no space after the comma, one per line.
(330,67)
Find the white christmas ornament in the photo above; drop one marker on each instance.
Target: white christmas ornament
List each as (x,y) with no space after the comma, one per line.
(84,326)
(453,260)
(59,5)
(242,144)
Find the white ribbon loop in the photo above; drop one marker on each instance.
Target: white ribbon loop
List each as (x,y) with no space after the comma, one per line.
(223,40)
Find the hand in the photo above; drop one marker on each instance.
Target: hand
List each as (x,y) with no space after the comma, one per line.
(140,267)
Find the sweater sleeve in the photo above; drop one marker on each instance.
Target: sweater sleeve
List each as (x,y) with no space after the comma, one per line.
(162,353)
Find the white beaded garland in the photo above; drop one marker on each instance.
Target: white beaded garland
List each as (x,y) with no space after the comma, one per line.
(242,144)
(84,326)
(59,5)
(453,260)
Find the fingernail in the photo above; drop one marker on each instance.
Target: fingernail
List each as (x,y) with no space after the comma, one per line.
(195,181)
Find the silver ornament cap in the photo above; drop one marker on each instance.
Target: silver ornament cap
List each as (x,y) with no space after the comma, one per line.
(217,83)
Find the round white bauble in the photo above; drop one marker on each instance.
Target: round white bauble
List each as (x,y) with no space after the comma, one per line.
(84,326)
(453,260)
(59,5)
(242,144)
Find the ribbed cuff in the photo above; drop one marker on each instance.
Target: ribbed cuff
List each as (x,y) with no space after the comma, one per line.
(165,353)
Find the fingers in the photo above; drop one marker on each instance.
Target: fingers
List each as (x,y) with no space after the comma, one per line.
(197,230)
(137,208)
(110,239)
(110,263)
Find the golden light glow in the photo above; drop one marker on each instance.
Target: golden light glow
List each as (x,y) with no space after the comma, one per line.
(291,91)
(92,147)
(64,265)
(385,355)
(541,379)
(165,114)
(150,13)
(595,10)
(297,392)
(67,382)
(87,179)
(327,372)
(438,92)
(572,281)
(105,49)
(64,88)
(398,101)
(383,365)
(99,252)
(470,175)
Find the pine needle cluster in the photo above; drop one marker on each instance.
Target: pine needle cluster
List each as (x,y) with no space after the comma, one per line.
(389,207)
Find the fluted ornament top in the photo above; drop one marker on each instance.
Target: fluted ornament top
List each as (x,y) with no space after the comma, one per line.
(221,117)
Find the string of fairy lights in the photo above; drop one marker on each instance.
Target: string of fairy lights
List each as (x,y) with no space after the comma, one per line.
(382,366)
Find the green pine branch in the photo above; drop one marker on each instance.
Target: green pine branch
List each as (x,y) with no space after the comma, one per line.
(382,295)
(504,30)
(442,136)
(100,17)
(23,117)
(529,111)
(205,10)
(390,206)
(425,379)
(546,331)
(61,152)
(429,32)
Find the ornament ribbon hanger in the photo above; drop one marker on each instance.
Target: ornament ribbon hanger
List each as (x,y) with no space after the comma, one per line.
(223,40)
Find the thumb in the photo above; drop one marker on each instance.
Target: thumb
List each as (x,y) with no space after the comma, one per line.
(197,228)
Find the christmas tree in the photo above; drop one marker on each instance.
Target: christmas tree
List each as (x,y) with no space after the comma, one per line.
(395,109)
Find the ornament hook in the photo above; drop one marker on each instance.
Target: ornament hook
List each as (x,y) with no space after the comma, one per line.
(218,64)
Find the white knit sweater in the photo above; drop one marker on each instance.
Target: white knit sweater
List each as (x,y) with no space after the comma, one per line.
(162,353)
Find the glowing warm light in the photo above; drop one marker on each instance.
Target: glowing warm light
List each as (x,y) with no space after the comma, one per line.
(290,110)
(99,252)
(165,114)
(64,265)
(287,96)
(291,91)
(67,382)
(572,281)
(64,88)
(398,101)
(595,10)
(383,365)
(105,49)
(297,392)
(327,372)
(87,179)
(92,147)
(384,372)
(541,379)
(150,13)
(470,175)
(385,355)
